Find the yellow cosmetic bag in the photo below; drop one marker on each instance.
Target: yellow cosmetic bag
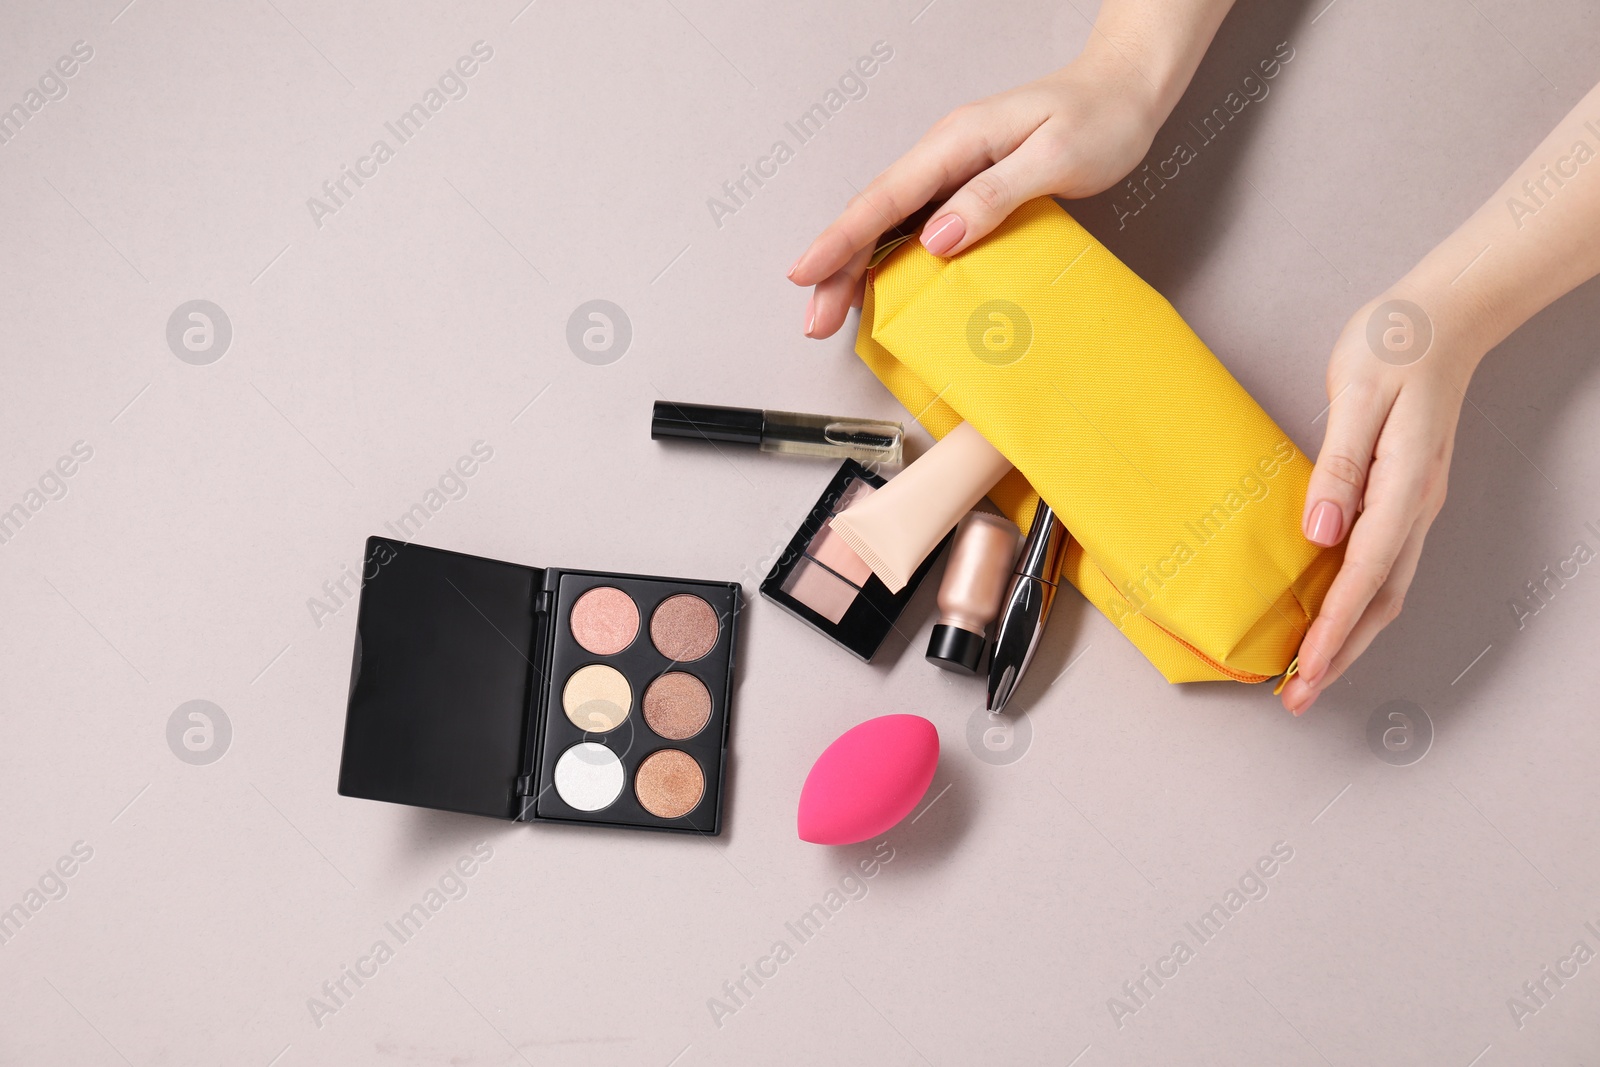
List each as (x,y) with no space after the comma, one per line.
(1182,496)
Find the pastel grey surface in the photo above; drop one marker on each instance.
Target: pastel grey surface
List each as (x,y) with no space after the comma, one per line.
(529,268)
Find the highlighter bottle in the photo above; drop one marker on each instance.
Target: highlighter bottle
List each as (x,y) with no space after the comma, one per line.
(975,580)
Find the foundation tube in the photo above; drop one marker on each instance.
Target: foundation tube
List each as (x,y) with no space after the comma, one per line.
(895,529)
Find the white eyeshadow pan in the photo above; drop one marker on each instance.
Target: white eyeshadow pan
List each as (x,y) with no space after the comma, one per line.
(589,776)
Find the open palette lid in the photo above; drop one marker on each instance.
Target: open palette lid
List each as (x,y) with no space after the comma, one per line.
(441,686)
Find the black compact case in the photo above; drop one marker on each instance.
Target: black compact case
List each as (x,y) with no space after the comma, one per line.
(861,628)
(457,689)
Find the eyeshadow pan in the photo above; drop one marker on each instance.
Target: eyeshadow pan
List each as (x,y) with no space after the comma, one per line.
(677,705)
(669,783)
(589,776)
(605,620)
(684,627)
(828,548)
(820,590)
(597,698)
(858,491)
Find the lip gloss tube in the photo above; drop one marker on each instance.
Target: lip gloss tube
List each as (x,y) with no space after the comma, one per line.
(789,433)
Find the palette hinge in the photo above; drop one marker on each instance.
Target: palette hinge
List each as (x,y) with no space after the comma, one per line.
(524,785)
(542,603)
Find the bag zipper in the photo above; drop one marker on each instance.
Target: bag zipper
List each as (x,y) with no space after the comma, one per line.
(1220,668)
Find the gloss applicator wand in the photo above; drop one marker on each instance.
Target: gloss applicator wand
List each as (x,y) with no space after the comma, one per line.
(1026,607)
(791,433)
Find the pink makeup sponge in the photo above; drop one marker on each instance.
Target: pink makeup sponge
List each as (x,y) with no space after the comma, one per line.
(868,780)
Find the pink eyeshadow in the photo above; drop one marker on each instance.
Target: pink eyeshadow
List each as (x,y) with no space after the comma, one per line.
(829,549)
(857,492)
(604,620)
(822,592)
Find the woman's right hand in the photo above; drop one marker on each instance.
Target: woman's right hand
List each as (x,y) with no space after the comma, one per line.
(1073,133)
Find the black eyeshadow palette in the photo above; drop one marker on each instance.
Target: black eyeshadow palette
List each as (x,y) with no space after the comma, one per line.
(540,694)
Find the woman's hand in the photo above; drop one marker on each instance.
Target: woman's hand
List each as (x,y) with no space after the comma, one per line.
(1073,133)
(1396,383)
(1391,425)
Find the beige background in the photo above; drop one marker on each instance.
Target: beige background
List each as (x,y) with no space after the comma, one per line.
(430,312)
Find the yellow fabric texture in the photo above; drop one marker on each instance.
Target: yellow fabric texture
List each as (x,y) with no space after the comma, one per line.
(1182,496)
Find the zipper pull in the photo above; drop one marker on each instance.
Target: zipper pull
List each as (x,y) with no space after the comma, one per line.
(1294,669)
(882,252)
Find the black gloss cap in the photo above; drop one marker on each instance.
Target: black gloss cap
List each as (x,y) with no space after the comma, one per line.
(706,422)
(955,649)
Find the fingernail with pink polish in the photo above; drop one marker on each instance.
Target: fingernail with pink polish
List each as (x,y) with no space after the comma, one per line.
(943,234)
(811,314)
(1323,527)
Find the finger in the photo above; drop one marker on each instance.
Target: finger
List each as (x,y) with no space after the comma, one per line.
(1393,507)
(833,297)
(949,154)
(1333,495)
(989,196)
(1385,607)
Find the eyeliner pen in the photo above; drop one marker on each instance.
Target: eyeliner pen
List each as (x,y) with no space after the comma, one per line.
(1027,604)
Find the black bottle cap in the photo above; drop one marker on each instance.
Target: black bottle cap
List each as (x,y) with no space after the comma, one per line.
(955,649)
(705,422)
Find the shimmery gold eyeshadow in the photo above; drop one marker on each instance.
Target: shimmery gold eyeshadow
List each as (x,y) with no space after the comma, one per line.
(597,698)
(677,705)
(605,620)
(684,627)
(820,590)
(669,783)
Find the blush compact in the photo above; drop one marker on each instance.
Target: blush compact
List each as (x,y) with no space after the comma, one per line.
(823,582)
(539,694)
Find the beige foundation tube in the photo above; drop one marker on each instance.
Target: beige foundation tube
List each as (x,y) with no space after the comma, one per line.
(895,529)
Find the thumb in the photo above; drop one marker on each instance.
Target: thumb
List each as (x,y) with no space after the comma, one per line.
(1334,492)
(985,201)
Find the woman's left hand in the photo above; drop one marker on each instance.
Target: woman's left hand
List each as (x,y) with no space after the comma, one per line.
(1396,383)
